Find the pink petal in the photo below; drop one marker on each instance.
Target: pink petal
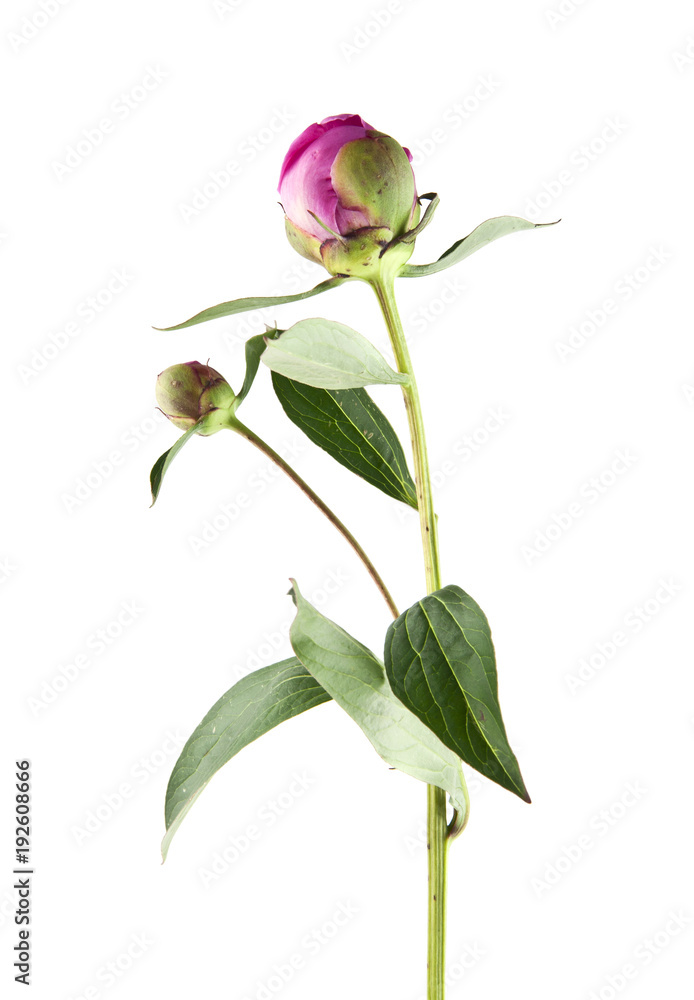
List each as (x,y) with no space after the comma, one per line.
(313,132)
(305,179)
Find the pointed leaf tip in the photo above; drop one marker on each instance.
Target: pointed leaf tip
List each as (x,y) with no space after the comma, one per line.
(162,464)
(235,306)
(347,424)
(440,662)
(486,232)
(252,707)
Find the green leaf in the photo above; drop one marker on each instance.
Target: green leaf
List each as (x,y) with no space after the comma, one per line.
(356,680)
(252,707)
(485,233)
(164,461)
(257,302)
(440,663)
(349,426)
(329,355)
(254,349)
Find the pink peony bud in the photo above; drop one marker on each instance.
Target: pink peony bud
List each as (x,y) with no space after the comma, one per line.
(347,191)
(187,392)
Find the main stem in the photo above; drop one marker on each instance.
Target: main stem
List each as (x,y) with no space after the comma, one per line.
(263,446)
(437,827)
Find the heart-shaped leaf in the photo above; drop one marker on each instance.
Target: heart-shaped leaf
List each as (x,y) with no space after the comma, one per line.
(253,302)
(252,707)
(329,355)
(485,233)
(356,680)
(440,663)
(349,426)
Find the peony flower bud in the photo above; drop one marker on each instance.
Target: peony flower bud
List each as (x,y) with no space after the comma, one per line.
(188,392)
(348,191)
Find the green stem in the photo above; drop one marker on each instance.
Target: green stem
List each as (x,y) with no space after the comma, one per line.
(425,500)
(438,833)
(437,845)
(236,425)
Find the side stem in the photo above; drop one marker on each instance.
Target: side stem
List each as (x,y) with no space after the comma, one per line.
(437,828)
(236,425)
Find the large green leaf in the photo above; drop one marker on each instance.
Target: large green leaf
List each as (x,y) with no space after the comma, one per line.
(253,302)
(253,706)
(356,680)
(329,355)
(349,426)
(440,663)
(164,461)
(485,233)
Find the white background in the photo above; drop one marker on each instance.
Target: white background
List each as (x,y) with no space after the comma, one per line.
(575,110)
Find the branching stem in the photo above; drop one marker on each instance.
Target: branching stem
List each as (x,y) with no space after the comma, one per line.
(236,425)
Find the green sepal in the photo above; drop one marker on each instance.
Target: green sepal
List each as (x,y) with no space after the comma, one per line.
(259,302)
(252,707)
(412,235)
(304,243)
(357,175)
(353,430)
(440,662)
(359,254)
(485,233)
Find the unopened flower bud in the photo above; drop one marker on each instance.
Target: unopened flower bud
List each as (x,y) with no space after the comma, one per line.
(348,191)
(189,392)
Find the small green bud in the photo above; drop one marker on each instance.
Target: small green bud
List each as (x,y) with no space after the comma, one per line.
(193,392)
